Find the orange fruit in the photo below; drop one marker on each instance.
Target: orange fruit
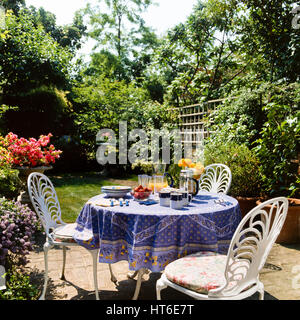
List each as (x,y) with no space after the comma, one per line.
(181,163)
(188,162)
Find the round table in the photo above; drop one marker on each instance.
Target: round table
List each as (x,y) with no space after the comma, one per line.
(152,236)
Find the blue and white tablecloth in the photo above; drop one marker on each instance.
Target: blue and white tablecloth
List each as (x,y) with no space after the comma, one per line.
(153,236)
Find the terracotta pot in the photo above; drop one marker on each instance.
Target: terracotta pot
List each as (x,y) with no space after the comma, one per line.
(247,204)
(290,232)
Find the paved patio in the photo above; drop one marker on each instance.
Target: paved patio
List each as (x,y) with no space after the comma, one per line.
(279,276)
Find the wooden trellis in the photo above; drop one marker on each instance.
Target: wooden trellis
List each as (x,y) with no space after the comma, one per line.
(194,122)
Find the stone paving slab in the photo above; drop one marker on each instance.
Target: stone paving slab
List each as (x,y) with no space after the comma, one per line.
(281,276)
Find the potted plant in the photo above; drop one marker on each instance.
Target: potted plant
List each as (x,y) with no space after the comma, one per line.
(28,156)
(245,169)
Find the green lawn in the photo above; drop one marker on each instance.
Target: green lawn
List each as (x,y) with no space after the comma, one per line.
(73,190)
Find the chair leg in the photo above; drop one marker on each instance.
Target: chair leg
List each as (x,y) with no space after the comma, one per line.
(160,285)
(112,276)
(141,272)
(261,291)
(94,254)
(132,275)
(64,263)
(47,247)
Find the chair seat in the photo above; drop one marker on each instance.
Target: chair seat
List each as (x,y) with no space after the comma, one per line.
(199,272)
(65,233)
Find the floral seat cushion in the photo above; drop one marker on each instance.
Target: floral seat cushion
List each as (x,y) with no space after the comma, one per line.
(200,272)
(65,233)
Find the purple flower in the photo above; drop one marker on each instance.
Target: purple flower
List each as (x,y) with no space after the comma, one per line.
(17,226)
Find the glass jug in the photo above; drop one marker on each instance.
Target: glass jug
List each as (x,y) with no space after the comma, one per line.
(159,177)
(160,182)
(157,183)
(158,169)
(187,182)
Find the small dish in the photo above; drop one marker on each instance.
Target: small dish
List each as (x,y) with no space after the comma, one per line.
(115,191)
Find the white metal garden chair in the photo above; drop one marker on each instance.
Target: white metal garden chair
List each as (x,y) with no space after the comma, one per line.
(216,178)
(45,202)
(208,275)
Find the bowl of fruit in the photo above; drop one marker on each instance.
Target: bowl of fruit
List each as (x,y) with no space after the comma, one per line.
(141,193)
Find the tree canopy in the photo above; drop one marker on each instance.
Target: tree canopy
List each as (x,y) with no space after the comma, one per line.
(224,48)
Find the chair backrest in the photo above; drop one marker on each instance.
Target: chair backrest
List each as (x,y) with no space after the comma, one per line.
(216,178)
(251,244)
(44,200)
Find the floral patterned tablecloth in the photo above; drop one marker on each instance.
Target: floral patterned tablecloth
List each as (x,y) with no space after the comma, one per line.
(153,236)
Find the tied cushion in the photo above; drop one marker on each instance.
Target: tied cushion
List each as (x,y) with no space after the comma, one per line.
(65,233)
(199,272)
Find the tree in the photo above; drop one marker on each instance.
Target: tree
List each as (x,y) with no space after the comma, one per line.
(100,103)
(29,56)
(14,5)
(120,31)
(199,58)
(267,32)
(66,36)
(34,72)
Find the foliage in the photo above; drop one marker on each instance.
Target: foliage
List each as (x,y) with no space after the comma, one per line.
(142,166)
(240,117)
(267,36)
(100,103)
(199,58)
(29,153)
(10,184)
(223,42)
(14,5)
(279,143)
(18,286)
(121,33)
(3,109)
(67,36)
(40,109)
(35,73)
(243,163)
(17,227)
(29,56)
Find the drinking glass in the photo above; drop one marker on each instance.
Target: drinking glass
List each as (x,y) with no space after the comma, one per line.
(151,184)
(143,180)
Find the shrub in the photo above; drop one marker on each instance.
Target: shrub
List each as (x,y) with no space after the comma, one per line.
(142,166)
(17,227)
(18,286)
(10,184)
(279,144)
(100,104)
(240,118)
(41,109)
(29,153)
(243,115)
(244,166)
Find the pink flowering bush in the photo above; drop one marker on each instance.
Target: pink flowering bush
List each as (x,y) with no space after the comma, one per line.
(27,153)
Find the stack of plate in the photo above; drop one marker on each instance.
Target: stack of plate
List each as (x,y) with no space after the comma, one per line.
(115,191)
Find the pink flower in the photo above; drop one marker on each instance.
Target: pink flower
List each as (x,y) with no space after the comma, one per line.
(32,152)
